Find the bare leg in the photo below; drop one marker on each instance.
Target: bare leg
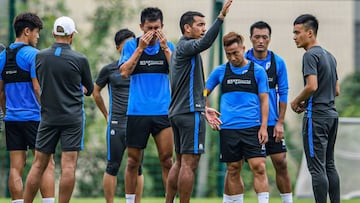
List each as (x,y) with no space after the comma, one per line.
(282,175)
(109,184)
(233,182)
(67,179)
(257,166)
(189,164)
(172,181)
(33,181)
(165,150)
(132,167)
(139,188)
(17,163)
(47,186)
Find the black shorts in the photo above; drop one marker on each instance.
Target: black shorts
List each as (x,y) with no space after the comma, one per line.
(273,147)
(115,140)
(71,138)
(20,135)
(236,145)
(189,133)
(139,129)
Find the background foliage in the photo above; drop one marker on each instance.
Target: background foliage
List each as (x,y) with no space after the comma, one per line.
(106,20)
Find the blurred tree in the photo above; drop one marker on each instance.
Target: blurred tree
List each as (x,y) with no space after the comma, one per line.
(348,103)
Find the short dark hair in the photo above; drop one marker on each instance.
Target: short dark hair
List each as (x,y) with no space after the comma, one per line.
(309,21)
(122,35)
(188,18)
(260,25)
(151,14)
(231,38)
(24,20)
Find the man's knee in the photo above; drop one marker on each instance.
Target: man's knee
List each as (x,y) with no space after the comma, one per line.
(258,167)
(166,162)
(280,164)
(112,168)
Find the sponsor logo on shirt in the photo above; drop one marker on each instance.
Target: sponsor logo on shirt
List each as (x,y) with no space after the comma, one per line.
(10,72)
(267,66)
(151,63)
(112,132)
(238,82)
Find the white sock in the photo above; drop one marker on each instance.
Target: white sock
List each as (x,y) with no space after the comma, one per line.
(233,198)
(263,197)
(286,198)
(130,198)
(48,200)
(18,201)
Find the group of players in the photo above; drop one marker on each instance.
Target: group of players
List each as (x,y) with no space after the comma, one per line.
(158,88)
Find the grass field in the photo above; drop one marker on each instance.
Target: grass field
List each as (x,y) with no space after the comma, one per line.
(194,200)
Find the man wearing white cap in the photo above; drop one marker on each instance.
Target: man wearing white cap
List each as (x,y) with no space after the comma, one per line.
(64,77)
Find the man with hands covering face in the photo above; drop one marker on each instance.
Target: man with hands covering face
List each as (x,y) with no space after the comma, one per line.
(146,61)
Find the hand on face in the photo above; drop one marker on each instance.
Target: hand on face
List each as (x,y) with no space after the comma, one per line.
(146,39)
(162,38)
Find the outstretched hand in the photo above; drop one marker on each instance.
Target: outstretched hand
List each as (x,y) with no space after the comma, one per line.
(212,117)
(225,8)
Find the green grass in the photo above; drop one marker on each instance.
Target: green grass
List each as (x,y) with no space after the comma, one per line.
(194,200)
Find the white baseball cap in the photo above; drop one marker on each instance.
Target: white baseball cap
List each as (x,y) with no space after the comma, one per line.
(64,26)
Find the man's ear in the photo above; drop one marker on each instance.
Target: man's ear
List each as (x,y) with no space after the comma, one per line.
(187,28)
(26,31)
(310,33)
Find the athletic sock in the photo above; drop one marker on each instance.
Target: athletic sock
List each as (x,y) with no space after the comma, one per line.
(233,198)
(263,197)
(18,201)
(286,198)
(130,198)
(48,200)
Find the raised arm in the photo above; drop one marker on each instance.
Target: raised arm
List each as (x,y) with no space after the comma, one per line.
(196,46)
(128,67)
